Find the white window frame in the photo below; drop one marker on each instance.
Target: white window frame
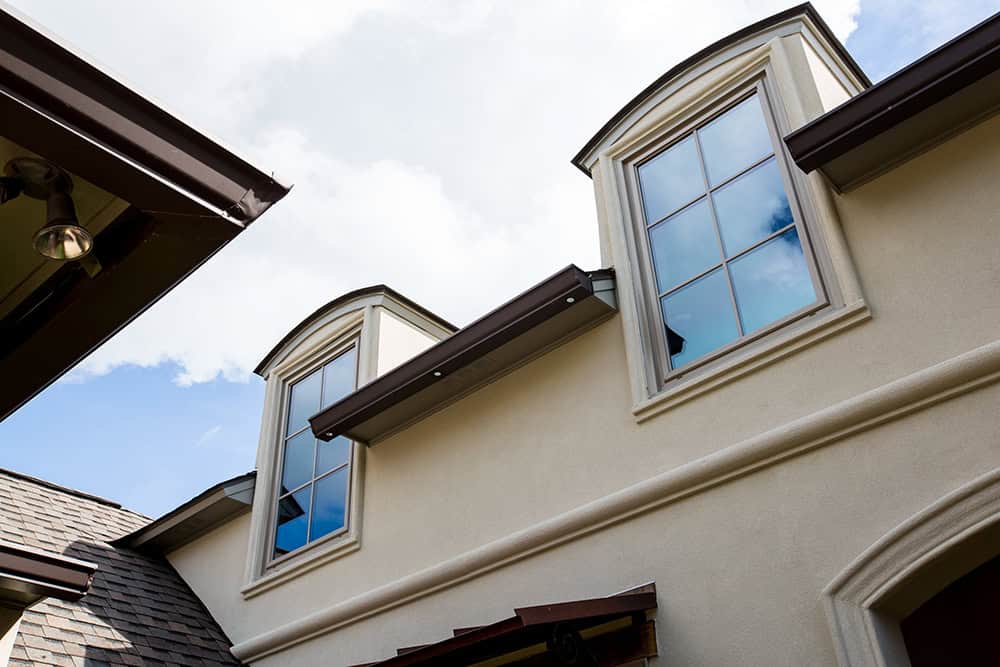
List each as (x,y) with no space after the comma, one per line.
(655,388)
(264,570)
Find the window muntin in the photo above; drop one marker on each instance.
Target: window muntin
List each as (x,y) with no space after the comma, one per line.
(727,256)
(315,476)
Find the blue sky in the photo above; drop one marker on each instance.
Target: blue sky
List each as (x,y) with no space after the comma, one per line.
(169,407)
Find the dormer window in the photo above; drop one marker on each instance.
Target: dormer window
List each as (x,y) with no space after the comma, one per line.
(315,475)
(725,245)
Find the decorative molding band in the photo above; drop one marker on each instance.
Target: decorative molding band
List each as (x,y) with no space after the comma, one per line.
(954,377)
(865,632)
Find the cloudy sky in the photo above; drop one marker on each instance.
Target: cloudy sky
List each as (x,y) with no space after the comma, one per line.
(429,144)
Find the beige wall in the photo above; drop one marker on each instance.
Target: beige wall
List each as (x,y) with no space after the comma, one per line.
(739,566)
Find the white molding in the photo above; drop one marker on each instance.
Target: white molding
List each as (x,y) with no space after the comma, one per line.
(857,602)
(753,358)
(977,368)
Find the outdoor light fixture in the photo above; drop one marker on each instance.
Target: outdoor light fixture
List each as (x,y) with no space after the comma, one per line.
(61,237)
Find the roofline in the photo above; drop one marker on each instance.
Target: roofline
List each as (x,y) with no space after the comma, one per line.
(209,509)
(64,489)
(440,364)
(899,97)
(804,9)
(345,299)
(36,67)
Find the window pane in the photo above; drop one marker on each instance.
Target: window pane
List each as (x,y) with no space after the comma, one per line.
(293,513)
(670,180)
(752,207)
(332,454)
(329,504)
(338,377)
(684,246)
(299,452)
(735,140)
(772,281)
(304,402)
(699,318)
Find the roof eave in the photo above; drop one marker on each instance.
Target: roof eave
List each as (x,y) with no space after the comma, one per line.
(28,575)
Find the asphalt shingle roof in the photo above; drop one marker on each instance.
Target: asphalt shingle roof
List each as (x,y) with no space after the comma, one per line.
(138,612)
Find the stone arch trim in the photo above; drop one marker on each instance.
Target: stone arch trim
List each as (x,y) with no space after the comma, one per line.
(866,601)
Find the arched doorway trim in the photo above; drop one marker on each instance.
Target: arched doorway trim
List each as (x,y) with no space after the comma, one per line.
(866,601)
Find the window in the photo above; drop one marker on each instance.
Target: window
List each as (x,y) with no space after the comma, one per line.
(725,242)
(315,475)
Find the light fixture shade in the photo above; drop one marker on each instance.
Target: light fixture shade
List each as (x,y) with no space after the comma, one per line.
(63,241)
(61,237)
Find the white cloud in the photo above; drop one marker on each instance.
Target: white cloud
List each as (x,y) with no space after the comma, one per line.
(208,435)
(428,142)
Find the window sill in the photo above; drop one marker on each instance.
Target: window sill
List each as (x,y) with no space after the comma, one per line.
(295,567)
(768,350)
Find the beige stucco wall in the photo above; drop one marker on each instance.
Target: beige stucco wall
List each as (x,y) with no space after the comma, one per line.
(738,567)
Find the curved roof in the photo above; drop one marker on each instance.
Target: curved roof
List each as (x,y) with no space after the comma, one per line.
(342,300)
(806,9)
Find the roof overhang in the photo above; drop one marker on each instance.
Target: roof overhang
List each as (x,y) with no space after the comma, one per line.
(612,630)
(28,575)
(208,510)
(931,99)
(727,47)
(528,325)
(183,198)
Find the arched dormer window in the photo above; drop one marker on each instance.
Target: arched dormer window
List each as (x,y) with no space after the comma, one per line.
(727,256)
(308,498)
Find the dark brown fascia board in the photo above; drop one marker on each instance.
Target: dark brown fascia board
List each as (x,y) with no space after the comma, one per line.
(343,299)
(805,9)
(206,511)
(567,289)
(948,69)
(578,613)
(53,80)
(28,575)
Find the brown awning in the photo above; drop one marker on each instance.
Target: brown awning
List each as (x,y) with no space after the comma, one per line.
(903,115)
(600,631)
(529,324)
(27,575)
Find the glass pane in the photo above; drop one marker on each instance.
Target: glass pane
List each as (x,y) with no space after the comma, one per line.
(299,453)
(332,454)
(338,377)
(304,402)
(752,207)
(293,513)
(670,180)
(772,281)
(699,318)
(329,504)
(684,246)
(735,140)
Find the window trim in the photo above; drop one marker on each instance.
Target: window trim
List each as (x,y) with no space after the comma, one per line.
(663,124)
(342,346)
(695,121)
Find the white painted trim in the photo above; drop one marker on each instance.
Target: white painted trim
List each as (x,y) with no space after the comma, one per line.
(977,368)
(767,351)
(865,632)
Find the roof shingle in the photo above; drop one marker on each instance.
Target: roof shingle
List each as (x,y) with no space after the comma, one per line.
(138,612)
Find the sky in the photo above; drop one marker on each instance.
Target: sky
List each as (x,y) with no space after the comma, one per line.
(428,143)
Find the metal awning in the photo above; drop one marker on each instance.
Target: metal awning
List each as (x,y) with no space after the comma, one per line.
(601,632)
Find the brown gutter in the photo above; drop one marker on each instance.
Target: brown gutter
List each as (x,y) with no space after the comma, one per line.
(46,75)
(27,575)
(805,9)
(492,344)
(940,74)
